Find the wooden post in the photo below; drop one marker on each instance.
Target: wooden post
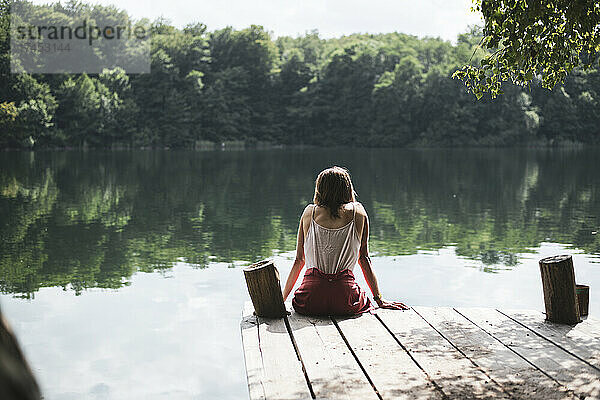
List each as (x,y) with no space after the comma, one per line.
(583,299)
(262,279)
(558,281)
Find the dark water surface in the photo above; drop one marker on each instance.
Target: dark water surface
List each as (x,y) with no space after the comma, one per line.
(121,271)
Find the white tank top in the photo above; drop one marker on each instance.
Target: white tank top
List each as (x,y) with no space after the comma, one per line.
(331,250)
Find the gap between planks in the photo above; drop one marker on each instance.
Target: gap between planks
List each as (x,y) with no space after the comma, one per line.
(576,341)
(560,365)
(369,364)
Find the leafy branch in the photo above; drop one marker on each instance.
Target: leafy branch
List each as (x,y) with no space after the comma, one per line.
(533,40)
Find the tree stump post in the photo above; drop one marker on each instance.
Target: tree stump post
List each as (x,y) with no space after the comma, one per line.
(262,279)
(558,281)
(583,299)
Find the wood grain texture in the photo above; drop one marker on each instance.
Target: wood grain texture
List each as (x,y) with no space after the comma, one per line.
(394,374)
(330,366)
(516,376)
(252,357)
(262,279)
(273,368)
(574,374)
(558,283)
(575,339)
(423,353)
(455,374)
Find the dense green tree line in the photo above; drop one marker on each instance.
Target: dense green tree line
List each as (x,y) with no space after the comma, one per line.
(243,85)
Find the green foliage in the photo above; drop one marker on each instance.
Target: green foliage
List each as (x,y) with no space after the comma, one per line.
(31,112)
(8,113)
(533,41)
(241,86)
(80,104)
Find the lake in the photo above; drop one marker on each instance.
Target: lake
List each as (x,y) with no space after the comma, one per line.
(121,272)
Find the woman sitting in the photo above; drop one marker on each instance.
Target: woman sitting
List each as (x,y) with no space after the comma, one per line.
(332,237)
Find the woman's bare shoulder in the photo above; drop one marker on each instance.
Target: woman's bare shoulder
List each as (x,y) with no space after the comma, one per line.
(360,209)
(307,211)
(308,208)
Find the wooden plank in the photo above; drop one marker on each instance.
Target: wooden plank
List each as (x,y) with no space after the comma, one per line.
(393,372)
(272,367)
(576,375)
(517,377)
(575,339)
(332,370)
(590,325)
(455,374)
(254,368)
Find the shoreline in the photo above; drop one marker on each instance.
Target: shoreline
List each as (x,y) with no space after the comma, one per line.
(243,146)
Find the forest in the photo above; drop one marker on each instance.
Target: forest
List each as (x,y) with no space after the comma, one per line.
(248,88)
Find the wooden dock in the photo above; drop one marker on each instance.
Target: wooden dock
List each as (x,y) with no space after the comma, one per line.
(422,353)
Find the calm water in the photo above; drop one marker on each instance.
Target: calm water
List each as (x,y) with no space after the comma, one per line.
(121,271)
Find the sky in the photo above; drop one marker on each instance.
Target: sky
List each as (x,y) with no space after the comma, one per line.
(332,18)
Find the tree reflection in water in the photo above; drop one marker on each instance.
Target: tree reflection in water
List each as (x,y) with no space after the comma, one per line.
(92,219)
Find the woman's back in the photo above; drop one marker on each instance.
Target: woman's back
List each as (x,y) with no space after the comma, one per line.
(332,249)
(332,234)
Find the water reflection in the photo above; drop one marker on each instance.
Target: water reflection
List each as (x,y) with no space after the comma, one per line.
(80,220)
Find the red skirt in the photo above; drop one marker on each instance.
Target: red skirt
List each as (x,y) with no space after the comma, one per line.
(330,294)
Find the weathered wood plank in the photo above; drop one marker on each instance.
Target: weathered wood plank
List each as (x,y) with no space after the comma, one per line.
(254,368)
(575,339)
(272,367)
(455,374)
(576,375)
(518,378)
(393,372)
(590,326)
(332,370)
(470,356)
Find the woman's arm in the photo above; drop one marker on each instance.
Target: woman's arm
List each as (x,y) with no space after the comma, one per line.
(298,262)
(365,264)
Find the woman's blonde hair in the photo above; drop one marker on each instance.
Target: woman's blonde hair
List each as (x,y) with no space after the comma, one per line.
(333,188)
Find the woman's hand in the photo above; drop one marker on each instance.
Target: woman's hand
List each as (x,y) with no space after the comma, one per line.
(391,305)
